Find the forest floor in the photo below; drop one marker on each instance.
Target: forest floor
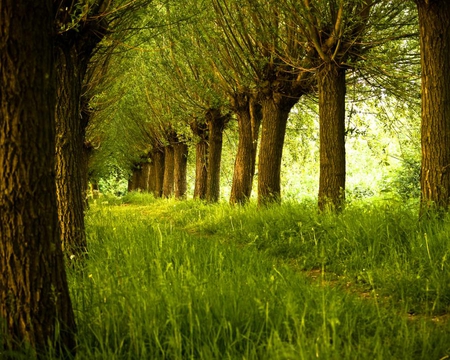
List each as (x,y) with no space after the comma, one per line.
(170,279)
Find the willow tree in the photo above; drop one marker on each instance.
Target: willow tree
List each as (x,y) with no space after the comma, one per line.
(170,134)
(32,268)
(75,44)
(119,128)
(232,76)
(338,36)
(248,114)
(142,130)
(434,20)
(181,72)
(333,30)
(263,35)
(81,25)
(145,135)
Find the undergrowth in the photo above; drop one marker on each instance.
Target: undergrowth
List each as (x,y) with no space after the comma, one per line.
(170,279)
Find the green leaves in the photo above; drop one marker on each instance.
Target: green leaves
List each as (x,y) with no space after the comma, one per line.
(71,15)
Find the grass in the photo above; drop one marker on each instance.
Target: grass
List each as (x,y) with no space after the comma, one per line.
(186,280)
(379,245)
(170,279)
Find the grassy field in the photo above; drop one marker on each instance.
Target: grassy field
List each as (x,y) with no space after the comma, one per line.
(167,279)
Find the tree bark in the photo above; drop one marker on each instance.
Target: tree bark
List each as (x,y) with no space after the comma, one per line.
(74,50)
(140,177)
(152,175)
(169,163)
(331,84)
(31,260)
(158,158)
(69,151)
(275,112)
(130,183)
(180,169)
(133,182)
(434,20)
(146,172)
(201,159)
(216,124)
(244,166)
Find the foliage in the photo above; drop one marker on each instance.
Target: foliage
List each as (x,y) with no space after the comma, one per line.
(184,57)
(405,181)
(113,185)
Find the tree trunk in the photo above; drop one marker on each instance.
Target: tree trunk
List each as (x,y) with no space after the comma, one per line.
(216,124)
(140,177)
(69,152)
(158,158)
(32,268)
(434,20)
(146,176)
(168,184)
(152,175)
(74,50)
(180,169)
(133,182)
(331,84)
(201,159)
(244,166)
(275,112)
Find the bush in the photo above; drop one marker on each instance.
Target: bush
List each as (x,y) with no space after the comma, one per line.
(405,181)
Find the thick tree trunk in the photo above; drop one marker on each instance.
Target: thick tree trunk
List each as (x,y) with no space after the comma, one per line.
(241,186)
(275,113)
(169,163)
(145,180)
(133,182)
(201,159)
(180,169)
(331,83)
(69,151)
(35,306)
(201,169)
(216,124)
(140,177)
(152,175)
(158,158)
(434,20)
(74,50)
(244,166)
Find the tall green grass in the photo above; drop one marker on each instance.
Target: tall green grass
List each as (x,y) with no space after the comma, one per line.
(186,280)
(378,245)
(170,279)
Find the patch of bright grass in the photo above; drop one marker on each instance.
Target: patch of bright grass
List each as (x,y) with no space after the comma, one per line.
(186,280)
(379,245)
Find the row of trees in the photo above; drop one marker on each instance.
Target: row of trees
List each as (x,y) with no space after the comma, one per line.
(45,51)
(253,59)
